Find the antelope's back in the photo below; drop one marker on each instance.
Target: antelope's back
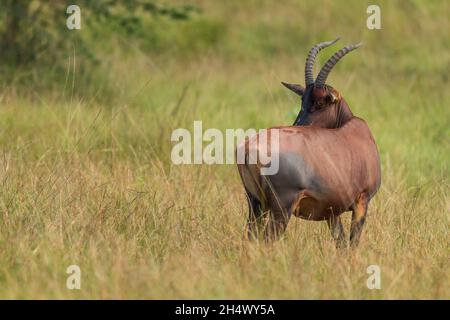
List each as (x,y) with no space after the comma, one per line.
(332,165)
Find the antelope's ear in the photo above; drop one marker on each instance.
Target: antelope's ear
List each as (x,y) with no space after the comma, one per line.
(298,89)
(332,97)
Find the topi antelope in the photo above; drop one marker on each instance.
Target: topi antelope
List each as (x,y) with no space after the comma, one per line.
(328,162)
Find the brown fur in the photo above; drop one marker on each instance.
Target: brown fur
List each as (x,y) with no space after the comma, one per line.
(338,151)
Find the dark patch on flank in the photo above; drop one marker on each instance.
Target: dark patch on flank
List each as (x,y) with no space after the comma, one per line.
(294,175)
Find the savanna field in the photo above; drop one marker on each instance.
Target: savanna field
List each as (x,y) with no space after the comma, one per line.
(86,176)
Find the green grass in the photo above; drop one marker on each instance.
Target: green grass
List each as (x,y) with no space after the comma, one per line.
(86,175)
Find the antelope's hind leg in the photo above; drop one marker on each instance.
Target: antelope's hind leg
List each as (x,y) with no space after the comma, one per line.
(255,214)
(337,230)
(280,211)
(358,218)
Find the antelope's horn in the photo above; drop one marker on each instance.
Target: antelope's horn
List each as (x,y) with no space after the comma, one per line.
(309,77)
(326,69)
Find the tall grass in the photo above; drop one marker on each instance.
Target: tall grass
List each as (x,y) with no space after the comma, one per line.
(86,177)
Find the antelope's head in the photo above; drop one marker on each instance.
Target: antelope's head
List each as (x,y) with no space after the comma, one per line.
(322,105)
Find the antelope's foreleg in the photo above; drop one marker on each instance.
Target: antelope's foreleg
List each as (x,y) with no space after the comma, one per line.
(358,218)
(337,231)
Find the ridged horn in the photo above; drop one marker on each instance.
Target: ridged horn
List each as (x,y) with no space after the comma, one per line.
(326,69)
(309,64)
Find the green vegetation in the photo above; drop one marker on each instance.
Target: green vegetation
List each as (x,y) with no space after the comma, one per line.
(85,146)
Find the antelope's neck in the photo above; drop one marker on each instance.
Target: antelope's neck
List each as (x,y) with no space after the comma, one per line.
(343,114)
